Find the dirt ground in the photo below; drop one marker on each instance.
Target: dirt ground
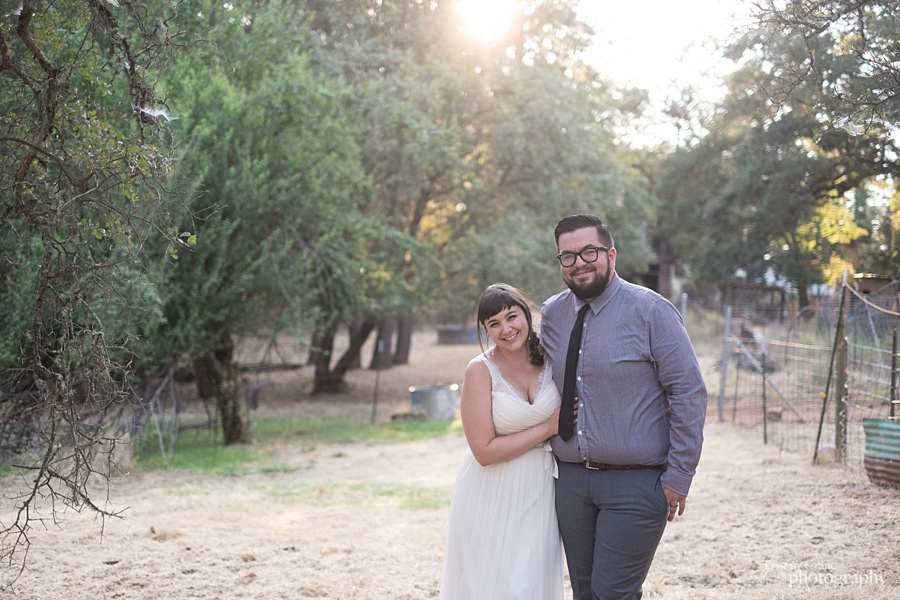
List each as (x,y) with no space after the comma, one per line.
(368,521)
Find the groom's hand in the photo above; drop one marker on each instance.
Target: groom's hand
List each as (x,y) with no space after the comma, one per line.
(676,503)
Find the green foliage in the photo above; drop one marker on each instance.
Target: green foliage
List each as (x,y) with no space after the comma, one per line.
(408,497)
(273,184)
(200,449)
(807,119)
(768,187)
(346,429)
(308,162)
(17,297)
(82,160)
(84,154)
(475,149)
(197,450)
(846,49)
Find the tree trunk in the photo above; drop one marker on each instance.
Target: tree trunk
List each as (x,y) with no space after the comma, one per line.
(381,355)
(315,346)
(404,340)
(358,327)
(331,381)
(217,378)
(802,296)
(359,333)
(325,381)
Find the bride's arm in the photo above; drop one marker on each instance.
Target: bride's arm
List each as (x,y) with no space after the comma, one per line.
(478,422)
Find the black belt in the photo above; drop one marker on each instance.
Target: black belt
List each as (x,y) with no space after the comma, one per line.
(595,466)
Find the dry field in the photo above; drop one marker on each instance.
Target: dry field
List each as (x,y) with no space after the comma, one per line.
(367,521)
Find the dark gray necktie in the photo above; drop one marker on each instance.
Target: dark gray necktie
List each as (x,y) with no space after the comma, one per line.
(567,409)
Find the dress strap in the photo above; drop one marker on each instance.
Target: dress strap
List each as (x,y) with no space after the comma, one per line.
(498,382)
(496,376)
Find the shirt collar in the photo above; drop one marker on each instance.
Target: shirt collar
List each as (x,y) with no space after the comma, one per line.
(603,299)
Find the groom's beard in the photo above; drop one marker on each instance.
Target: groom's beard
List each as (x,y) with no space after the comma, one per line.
(594,287)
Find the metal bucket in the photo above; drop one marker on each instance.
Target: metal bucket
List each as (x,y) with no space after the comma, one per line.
(435,401)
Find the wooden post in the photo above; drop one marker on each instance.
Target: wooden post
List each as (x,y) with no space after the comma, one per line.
(725,337)
(840,400)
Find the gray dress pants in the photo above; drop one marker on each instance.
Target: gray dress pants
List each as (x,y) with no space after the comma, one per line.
(611,523)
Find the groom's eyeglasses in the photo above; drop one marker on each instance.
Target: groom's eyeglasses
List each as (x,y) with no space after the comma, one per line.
(588,255)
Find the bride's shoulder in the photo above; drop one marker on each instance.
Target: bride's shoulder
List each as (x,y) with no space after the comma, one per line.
(478,377)
(479,364)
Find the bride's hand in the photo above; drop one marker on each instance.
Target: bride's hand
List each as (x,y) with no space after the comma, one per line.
(553,423)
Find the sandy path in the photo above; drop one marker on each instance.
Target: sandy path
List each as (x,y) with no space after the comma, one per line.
(360,522)
(368,522)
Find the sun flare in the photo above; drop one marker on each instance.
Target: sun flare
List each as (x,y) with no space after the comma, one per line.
(486,19)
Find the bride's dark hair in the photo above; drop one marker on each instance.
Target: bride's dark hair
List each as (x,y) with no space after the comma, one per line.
(500,296)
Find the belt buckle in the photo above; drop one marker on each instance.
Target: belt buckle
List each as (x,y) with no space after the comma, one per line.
(587,465)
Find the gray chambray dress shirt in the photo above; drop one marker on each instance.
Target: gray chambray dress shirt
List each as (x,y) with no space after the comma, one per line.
(642,399)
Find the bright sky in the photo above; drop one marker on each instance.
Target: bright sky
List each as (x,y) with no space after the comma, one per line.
(655,44)
(651,44)
(663,46)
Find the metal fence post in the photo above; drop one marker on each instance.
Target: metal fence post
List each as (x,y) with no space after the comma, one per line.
(894,372)
(377,375)
(724,363)
(840,399)
(764,410)
(737,375)
(838,335)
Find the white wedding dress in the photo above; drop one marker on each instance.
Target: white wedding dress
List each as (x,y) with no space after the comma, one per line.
(502,537)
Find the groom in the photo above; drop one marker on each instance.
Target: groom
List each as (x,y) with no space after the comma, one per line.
(620,351)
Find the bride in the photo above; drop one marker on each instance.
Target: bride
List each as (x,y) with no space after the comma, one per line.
(502,537)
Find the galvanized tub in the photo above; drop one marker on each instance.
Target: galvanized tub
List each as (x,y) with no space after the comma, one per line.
(457,334)
(435,401)
(882,458)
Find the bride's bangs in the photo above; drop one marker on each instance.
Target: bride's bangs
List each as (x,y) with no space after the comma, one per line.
(495,301)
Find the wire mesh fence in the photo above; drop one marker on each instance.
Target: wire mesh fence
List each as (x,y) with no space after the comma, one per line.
(806,383)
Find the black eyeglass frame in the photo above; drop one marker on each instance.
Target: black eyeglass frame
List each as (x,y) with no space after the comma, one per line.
(575,255)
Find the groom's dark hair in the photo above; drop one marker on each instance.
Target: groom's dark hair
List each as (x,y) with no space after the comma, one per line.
(576,222)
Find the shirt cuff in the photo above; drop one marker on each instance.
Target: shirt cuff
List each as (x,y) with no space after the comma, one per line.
(677,481)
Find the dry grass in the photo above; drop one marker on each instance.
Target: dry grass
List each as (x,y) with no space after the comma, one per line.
(367,521)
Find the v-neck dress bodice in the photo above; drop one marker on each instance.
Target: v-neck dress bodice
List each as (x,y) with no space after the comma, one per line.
(502,537)
(512,412)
